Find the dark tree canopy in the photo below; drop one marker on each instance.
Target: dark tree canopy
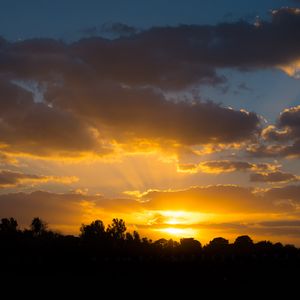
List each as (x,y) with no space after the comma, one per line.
(190,245)
(243,241)
(94,230)
(218,242)
(8,226)
(38,226)
(117,229)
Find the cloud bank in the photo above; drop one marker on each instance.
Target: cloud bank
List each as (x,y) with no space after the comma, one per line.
(96,92)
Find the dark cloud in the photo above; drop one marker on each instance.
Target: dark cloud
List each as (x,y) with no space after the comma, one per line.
(226,166)
(271,133)
(277,176)
(143,113)
(274,230)
(286,193)
(281,223)
(282,140)
(231,166)
(12,179)
(110,30)
(100,90)
(185,55)
(77,118)
(289,120)
(118,29)
(168,57)
(39,129)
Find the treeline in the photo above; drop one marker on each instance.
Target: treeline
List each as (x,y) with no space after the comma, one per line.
(112,254)
(115,239)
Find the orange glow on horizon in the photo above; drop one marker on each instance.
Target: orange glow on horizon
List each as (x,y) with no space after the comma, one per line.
(178,232)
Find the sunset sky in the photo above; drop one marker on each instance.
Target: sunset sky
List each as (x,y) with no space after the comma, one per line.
(181,117)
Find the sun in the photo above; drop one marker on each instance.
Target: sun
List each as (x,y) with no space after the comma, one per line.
(181,217)
(178,232)
(173,224)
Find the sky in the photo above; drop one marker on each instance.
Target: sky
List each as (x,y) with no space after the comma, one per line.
(181,117)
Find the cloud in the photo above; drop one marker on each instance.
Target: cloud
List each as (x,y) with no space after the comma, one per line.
(64,212)
(282,140)
(143,113)
(6,159)
(289,193)
(281,223)
(110,30)
(214,199)
(277,176)
(153,209)
(225,166)
(118,29)
(166,57)
(65,125)
(174,57)
(10,179)
(39,129)
(100,92)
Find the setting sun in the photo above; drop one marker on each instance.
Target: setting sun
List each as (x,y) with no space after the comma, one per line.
(179,232)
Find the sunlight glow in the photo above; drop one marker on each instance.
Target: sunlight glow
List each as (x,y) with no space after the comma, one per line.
(173,217)
(179,232)
(292,69)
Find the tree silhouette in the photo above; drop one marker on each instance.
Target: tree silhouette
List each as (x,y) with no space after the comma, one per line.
(94,230)
(129,237)
(113,255)
(8,226)
(218,244)
(117,229)
(38,226)
(161,243)
(190,245)
(243,242)
(136,237)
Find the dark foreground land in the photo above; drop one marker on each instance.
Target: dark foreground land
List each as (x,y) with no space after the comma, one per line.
(112,259)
